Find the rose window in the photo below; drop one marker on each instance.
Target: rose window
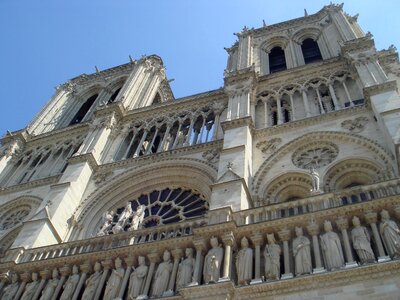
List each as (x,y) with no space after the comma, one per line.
(13,218)
(315,155)
(156,208)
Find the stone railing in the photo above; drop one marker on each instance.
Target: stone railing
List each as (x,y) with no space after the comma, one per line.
(318,202)
(186,252)
(102,243)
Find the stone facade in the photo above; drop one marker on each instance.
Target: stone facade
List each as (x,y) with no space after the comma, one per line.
(283,184)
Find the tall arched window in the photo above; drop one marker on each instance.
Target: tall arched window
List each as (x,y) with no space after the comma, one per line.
(114,96)
(83,110)
(277,61)
(311,51)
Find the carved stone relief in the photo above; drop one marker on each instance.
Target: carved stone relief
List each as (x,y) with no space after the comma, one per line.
(356,125)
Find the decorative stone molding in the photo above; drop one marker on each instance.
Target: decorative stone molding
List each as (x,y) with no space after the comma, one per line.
(356,125)
(268,146)
(212,156)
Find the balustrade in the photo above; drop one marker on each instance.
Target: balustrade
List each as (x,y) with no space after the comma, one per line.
(293,252)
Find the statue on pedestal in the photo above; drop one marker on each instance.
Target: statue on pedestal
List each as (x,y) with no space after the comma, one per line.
(362,242)
(212,262)
(70,285)
(50,286)
(331,248)
(302,253)
(390,235)
(115,280)
(315,181)
(137,218)
(107,223)
(123,219)
(31,288)
(11,290)
(244,263)
(272,254)
(92,282)
(185,270)
(137,279)
(161,278)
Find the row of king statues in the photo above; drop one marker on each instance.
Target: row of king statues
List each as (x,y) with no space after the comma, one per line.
(146,280)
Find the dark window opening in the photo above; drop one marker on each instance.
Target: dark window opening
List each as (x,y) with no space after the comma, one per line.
(274,118)
(311,52)
(277,61)
(83,110)
(157,99)
(114,96)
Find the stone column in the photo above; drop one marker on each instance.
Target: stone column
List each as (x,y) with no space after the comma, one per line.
(293,117)
(45,274)
(85,268)
(217,115)
(107,265)
(64,271)
(129,263)
(305,102)
(320,101)
(343,224)
(334,99)
(257,240)
(200,246)
(139,146)
(284,235)
(25,277)
(347,93)
(371,218)
(313,230)
(279,110)
(228,240)
(153,258)
(177,254)
(266,113)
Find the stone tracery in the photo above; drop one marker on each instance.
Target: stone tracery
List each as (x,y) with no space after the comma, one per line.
(315,155)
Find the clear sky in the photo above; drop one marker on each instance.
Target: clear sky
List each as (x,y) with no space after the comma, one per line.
(44,43)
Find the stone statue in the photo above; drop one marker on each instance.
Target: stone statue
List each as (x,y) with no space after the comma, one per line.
(212,262)
(115,280)
(123,219)
(107,223)
(185,270)
(50,286)
(31,288)
(244,263)
(272,254)
(92,282)
(315,181)
(362,242)
(137,279)
(390,235)
(161,278)
(70,284)
(11,290)
(302,253)
(137,218)
(331,248)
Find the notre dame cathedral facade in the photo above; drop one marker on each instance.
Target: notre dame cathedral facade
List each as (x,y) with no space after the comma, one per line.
(282,184)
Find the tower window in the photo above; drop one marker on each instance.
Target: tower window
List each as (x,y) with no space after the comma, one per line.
(83,110)
(311,52)
(277,61)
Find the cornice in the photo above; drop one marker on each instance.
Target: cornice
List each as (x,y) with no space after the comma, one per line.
(236,123)
(302,73)
(86,78)
(358,45)
(87,157)
(161,156)
(29,185)
(319,281)
(291,23)
(21,135)
(380,88)
(61,134)
(307,122)
(173,107)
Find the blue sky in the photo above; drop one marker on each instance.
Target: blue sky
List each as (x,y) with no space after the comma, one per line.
(45,43)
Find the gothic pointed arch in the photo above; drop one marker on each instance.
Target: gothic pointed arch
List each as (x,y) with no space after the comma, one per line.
(314,144)
(157,179)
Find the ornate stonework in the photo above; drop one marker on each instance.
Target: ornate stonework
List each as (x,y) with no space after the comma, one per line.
(277,185)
